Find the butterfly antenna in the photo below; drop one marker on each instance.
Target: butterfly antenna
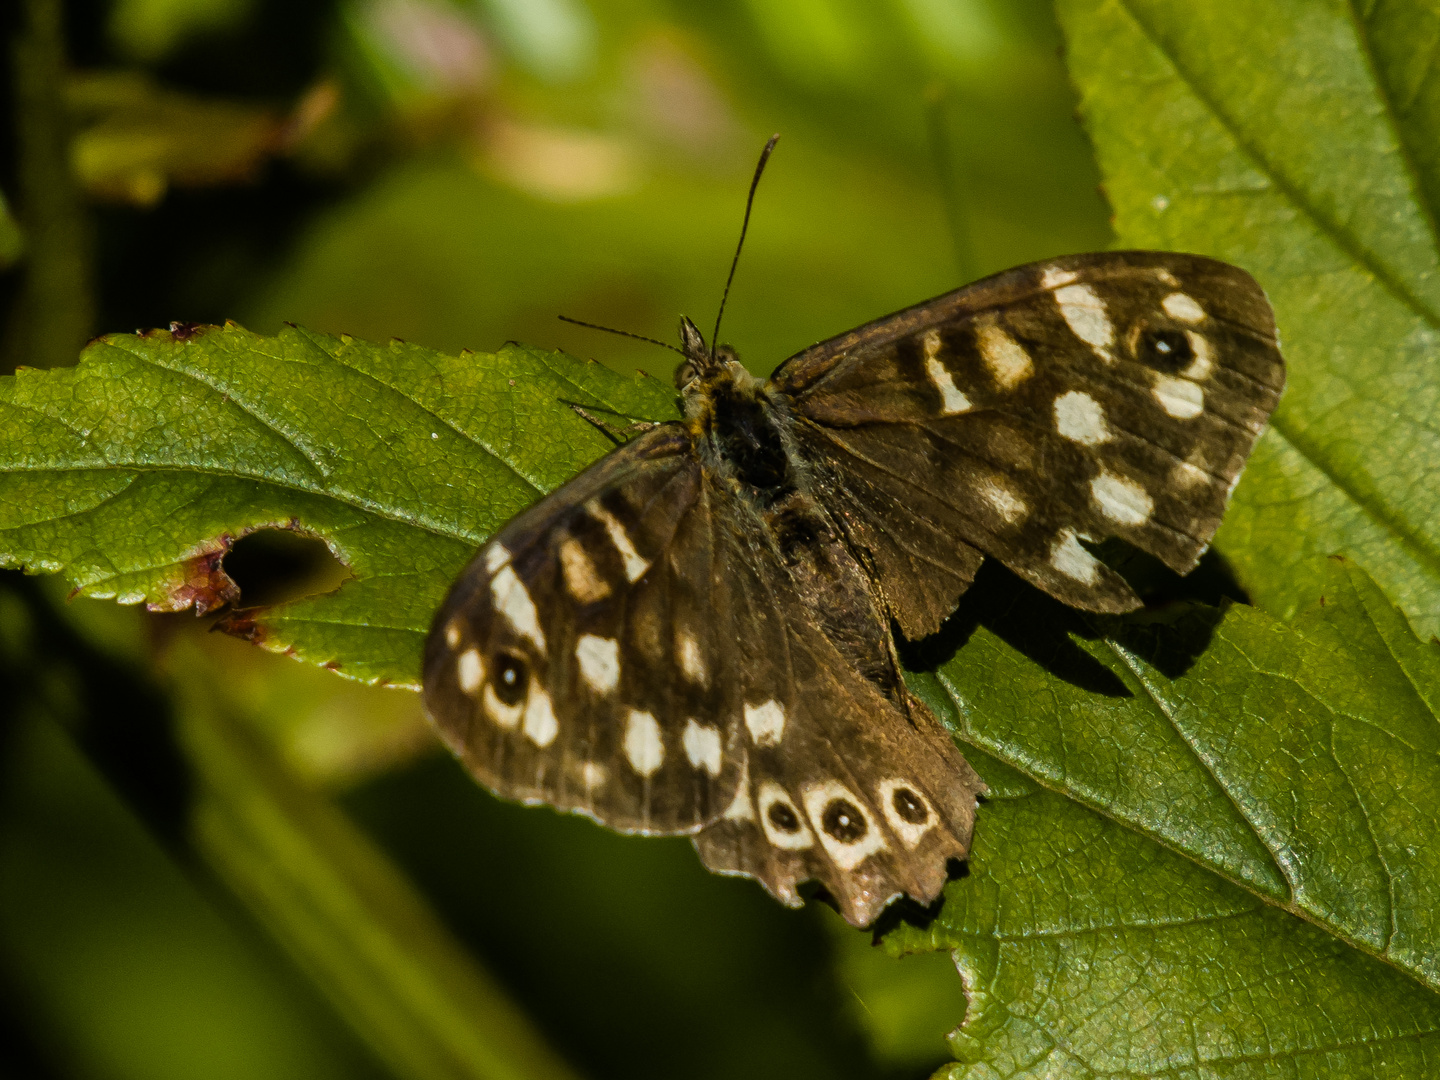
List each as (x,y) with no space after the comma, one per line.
(622,333)
(749,202)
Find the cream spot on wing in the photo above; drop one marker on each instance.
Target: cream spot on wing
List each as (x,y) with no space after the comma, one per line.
(512,600)
(691,662)
(1204,362)
(1185,475)
(1183,308)
(643,747)
(505,716)
(1072,560)
(951,399)
(593,775)
(907,810)
(740,808)
(702,746)
(1086,316)
(635,566)
(1164,275)
(766,722)
(1122,500)
(599,662)
(452,633)
(1178,397)
(541,726)
(581,578)
(496,556)
(843,823)
(780,818)
(1007,360)
(1053,278)
(1080,418)
(1009,505)
(470,670)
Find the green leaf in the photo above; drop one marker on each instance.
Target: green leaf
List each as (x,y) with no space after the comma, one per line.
(1297,140)
(1297,770)
(1293,763)
(1232,766)
(134,471)
(1088,950)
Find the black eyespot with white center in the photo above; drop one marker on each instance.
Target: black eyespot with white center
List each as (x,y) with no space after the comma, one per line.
(909,807)
(1164,349)
(907,811)
(843,820)
(512,677)
(780,818)
(783,818)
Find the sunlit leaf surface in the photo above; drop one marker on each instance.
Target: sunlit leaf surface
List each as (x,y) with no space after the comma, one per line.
(1298,764)
(134,471)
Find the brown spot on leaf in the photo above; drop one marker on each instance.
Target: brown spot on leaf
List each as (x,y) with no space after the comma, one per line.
(241,624)
(204,583)
(185,331)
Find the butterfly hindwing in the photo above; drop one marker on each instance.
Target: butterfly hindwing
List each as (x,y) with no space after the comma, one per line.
(848,780)
(1115,394)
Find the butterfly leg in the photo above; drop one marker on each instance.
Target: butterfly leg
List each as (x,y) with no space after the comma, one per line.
(616,433)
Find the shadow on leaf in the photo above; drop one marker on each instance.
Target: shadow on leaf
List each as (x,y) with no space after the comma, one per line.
(1170,633)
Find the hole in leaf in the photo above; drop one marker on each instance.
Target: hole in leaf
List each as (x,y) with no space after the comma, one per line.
(274,566)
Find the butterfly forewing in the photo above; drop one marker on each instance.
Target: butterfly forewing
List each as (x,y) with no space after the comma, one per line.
(573,651)
(1098,395)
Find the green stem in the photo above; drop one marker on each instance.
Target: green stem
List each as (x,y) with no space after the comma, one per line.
(54,312)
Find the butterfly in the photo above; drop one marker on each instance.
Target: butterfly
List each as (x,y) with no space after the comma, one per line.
(695,635)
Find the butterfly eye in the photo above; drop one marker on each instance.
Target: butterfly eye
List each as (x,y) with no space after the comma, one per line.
(1168,350)
(783,818)
(684,375)
(843,821)
(909,807)
(511,678)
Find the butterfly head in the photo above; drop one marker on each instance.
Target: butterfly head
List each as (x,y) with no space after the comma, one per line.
(701,361)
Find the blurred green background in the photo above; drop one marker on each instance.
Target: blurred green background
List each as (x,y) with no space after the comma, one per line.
(456,173)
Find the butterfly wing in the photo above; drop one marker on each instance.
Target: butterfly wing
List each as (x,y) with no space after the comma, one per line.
(578,660)
(634,647)
(848,780)
(1112,394)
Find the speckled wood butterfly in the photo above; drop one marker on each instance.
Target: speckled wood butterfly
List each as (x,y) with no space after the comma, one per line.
(694,635)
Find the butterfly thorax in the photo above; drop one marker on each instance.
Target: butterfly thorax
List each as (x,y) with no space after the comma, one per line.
(742,434)
(739,433)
